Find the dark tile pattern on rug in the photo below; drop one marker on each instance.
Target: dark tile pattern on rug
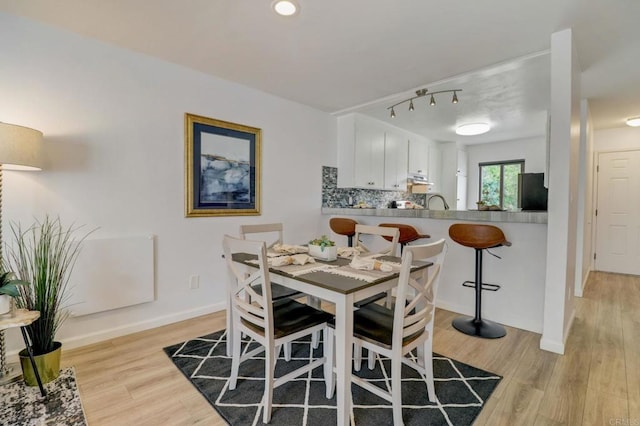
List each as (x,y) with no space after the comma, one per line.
(461,390)
(23,405)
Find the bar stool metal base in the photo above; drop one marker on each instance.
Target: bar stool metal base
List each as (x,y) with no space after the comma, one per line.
(483,328)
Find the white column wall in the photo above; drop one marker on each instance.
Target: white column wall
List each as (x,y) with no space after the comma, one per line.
(563,172)
(113,122)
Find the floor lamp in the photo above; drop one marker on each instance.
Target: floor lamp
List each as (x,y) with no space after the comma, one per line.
(20,149)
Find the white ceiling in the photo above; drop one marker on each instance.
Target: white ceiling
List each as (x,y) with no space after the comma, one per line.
(336,54)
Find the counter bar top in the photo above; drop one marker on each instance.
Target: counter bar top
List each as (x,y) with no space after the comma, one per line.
(470,215)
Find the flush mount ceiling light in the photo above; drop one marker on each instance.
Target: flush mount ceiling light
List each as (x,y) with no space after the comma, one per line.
(633,122)
(285,7)
(472,129)
(422,93)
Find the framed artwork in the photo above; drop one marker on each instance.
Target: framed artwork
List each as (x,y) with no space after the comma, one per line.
(222,168)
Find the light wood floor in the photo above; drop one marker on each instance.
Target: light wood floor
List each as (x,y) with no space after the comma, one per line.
(130,381)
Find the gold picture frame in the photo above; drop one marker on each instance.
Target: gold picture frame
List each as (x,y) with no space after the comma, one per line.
(222,168)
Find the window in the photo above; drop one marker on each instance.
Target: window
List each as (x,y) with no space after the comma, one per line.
(499,183)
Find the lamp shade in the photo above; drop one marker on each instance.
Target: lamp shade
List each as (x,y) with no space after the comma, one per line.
(20,148)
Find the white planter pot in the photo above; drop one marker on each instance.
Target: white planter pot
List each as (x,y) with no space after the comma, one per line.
(324,253)
(5,304)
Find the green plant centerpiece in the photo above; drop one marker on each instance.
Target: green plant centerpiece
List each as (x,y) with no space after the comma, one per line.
(9,288)
(323,242)
(323,248)
(44,255)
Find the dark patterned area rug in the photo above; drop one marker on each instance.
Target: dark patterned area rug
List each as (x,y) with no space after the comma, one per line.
(23,405)
(461,390)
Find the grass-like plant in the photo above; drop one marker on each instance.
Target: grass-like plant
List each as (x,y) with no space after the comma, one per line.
(44,256)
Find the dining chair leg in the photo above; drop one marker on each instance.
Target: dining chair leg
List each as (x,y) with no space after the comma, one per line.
(287,351)
(357,356)
(269,370)
(396,389)
(235,359)
(371,360)
(314,302)
(427,359)
(329,354)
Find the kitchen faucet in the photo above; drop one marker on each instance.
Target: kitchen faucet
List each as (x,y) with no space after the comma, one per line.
(446,206)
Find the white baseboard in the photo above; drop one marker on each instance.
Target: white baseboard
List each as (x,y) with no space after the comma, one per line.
(552,346)
(580,291)
(102,335)
(555,346)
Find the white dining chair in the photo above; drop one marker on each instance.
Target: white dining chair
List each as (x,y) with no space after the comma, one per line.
(272,234)
(265,323)
(394,333)
(267,232)
(390,248)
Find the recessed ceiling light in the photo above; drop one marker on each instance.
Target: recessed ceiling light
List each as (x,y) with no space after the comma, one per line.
(633,122)
(472,129)
(285,7)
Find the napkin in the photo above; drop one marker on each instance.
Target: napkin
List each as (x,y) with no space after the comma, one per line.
(289,248)
(348,251)
(296,259)
(370,265)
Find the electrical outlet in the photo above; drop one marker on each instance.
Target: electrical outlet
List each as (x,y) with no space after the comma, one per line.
(194,282)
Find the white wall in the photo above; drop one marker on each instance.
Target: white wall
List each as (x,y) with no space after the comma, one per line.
(584,255)
(532,150)
(618,139)
(113,122)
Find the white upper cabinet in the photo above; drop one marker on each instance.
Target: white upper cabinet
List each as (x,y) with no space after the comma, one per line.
(418,156)
(371,154)
(395,161)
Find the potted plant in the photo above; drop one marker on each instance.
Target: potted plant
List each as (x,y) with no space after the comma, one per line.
(8,290)
(323,248)
(44,255)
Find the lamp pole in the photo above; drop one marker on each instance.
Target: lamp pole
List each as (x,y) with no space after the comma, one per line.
(20,149)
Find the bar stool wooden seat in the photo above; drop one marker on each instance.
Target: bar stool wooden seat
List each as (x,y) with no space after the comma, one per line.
(478,237)
(344,226)
(408,234)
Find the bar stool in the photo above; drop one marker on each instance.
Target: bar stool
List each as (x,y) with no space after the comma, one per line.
(478,237)
(344,226)
(408,234)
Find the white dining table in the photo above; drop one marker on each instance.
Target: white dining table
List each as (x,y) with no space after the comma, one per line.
(343,292)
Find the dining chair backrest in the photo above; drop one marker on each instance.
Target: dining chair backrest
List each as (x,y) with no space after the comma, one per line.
(269,230)
(391,248)
(257,309)
(414,313)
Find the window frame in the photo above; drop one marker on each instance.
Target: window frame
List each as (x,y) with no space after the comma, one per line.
(501,164)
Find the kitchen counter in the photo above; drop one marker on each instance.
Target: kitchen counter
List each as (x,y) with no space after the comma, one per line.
(520,271)
(539,217)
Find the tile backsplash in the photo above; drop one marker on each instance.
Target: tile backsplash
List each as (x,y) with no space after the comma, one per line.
(332,196)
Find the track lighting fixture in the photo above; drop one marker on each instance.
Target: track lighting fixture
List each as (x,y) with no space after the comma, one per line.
(421,93)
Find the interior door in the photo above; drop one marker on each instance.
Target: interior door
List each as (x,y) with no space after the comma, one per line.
(618,213)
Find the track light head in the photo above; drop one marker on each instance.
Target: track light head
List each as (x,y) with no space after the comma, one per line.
(421,93)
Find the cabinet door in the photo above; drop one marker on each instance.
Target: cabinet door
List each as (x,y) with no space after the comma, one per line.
(418,156)
(369,156)
(396,157)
